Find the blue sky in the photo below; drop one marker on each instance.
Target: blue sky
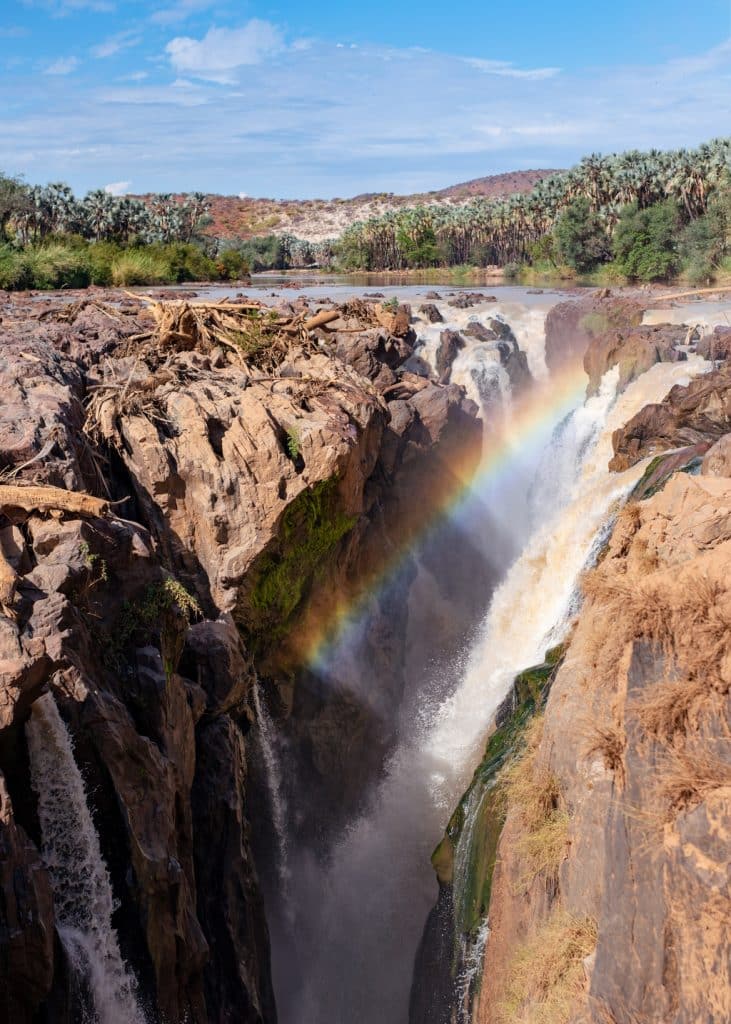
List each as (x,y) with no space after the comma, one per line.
(295,100)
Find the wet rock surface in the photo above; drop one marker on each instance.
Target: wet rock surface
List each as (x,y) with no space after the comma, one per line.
(689,415)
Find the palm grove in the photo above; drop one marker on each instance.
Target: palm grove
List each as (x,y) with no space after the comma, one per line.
(51,239)
(640,215)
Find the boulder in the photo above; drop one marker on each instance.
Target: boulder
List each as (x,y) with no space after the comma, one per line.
(716,345)
(450,345)
(689,415)
(717,461)
(431,313)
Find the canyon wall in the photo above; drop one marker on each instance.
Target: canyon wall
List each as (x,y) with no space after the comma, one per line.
(169,506)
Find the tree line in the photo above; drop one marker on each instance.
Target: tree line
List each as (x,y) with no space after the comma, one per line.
(595,213)
(31,213)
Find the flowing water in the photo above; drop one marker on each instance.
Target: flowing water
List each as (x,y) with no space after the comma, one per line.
(359,915)
(271,757)
(82,892)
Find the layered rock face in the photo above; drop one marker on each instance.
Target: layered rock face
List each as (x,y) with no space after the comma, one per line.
(225,494)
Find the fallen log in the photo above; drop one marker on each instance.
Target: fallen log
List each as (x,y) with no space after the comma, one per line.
(52,499)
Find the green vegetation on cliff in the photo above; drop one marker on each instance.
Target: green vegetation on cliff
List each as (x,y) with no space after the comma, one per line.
(465,859)
(310,529)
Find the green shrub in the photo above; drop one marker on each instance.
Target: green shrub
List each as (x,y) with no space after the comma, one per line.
(645,242)
(14,272)
(234,264)
(140,266)
(579,237)
(57,266)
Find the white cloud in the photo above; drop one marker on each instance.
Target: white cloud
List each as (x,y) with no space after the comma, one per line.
(115,43)
(182,10)
(314,124)
(62,66)
(508,70)
(118,188)
(222,51)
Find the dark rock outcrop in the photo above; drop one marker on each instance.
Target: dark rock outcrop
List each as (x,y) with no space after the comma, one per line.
(450,345)
(571,326)
(716,345)
(431,313)
(690,414)
(633,351)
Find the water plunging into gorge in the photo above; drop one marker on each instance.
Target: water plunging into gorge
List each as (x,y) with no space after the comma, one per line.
(358,905)
(82,891)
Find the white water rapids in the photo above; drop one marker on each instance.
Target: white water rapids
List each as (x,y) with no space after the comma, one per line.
(82,892)
(360,917)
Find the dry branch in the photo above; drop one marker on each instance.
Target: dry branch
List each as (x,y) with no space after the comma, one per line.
(51,499)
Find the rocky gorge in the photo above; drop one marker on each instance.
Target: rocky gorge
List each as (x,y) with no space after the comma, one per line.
(250,656)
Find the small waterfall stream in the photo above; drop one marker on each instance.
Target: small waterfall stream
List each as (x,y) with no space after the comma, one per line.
(275,791)
(82,892)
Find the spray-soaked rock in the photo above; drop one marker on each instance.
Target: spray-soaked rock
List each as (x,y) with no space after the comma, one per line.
(451,344)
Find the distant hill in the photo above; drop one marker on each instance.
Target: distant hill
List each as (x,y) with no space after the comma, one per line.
(496,184)
(317,219)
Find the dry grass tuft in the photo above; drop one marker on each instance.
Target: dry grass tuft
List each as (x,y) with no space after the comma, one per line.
(688,776)
(688,621)
(608,743)
(546,978)
(530,788)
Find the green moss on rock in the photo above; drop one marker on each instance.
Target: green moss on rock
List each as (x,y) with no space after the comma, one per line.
(310,529)
(465,858)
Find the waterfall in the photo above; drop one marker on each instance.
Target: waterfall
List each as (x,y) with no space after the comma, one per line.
(275,791)
(82,892)
(358,947)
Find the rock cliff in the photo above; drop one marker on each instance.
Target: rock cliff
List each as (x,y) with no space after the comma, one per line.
(173,495)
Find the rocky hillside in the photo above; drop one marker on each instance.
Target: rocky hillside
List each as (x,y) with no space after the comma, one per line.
(178,483)
(317,219)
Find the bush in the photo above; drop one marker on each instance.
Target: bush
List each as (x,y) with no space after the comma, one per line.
(645,242)
(234,264)
(139,266)
(14,272)
(58,266)
(101,257)
(706,241)
(579,237)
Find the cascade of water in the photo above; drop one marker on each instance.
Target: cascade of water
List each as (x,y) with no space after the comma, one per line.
(376,894)
(82,892)
(275,788)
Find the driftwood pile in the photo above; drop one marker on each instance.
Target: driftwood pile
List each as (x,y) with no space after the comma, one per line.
(254,334)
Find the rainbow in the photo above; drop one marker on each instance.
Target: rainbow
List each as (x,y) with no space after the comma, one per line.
(531,416)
